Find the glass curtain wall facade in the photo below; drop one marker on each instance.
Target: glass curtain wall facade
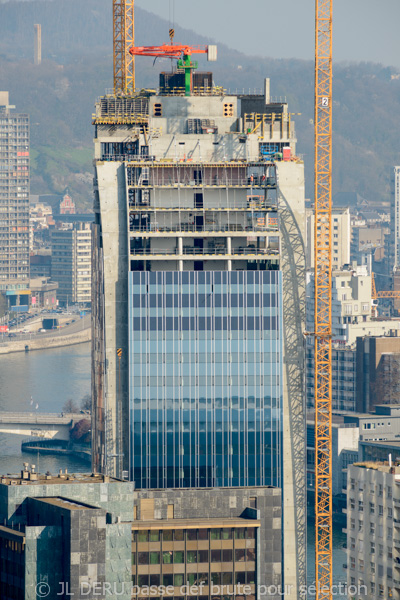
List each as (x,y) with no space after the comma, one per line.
(205,378)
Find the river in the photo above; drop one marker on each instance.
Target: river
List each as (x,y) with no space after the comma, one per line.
(49,378)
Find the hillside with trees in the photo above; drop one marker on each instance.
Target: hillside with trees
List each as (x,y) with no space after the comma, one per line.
(59,95)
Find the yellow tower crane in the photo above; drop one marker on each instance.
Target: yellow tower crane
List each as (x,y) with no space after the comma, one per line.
(124,39)
(323,299)
(382,294)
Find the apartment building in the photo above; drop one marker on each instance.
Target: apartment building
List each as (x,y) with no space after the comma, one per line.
(341,237)
(14,204)
(373,530)
(71,263)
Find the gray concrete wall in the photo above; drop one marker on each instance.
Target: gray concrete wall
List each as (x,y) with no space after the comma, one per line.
(43,562)
(292,227)
(114,497)
(58,341)
(229,502)
(119,558)
(90,548)
(114,240)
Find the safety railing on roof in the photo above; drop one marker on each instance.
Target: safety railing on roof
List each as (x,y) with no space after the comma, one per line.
(204,251)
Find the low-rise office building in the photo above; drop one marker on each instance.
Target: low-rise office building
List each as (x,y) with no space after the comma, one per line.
(378,369)
(44,292)
(378,451)
(92,536)
(380,426)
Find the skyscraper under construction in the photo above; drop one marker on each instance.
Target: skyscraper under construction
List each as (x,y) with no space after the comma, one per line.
(198,305)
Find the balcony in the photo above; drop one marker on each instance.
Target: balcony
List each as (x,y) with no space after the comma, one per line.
(230,205)
(243,183)
(205,254)
(231,230)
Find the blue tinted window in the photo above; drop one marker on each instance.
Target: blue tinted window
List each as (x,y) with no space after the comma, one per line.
(205,378)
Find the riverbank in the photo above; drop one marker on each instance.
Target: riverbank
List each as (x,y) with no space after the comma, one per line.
(47,342)
(57,447)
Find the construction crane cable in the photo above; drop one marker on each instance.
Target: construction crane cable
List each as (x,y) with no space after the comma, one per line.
(172,14)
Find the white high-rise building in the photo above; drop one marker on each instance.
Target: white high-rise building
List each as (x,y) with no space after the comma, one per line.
(351,303)
(373,531)
(341,237)
(71,263)
(394,255)
(352,318)
(14,205)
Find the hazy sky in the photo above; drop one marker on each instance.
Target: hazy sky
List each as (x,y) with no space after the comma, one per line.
(364,30)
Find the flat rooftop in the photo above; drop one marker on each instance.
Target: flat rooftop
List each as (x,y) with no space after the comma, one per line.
(173,523)
(385,443)
(379,466)
(66,503)
(48,479)
(337,420)
(11,534)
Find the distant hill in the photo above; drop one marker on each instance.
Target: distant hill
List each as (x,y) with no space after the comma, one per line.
(77,68)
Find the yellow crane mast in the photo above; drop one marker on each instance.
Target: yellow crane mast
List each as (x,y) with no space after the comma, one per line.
(124,39)
(323,299)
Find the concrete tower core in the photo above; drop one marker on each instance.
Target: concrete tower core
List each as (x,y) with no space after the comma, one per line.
(199,296)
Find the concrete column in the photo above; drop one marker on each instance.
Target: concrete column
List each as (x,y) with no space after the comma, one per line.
(267,94)
(229,265)
(180,252)
(229,245)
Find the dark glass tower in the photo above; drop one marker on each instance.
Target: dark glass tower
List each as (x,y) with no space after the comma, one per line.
(205,378)
(198,301)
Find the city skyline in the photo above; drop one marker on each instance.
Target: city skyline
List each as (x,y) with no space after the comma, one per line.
(224,412)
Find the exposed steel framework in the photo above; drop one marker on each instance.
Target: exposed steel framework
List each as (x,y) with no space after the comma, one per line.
(323,299)
(124,38)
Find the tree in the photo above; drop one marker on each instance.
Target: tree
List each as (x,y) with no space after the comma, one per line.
(3,304)
(70,406)
(81,431)
(86,402)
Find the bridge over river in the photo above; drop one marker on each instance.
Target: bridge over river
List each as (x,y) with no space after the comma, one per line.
(46,426)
